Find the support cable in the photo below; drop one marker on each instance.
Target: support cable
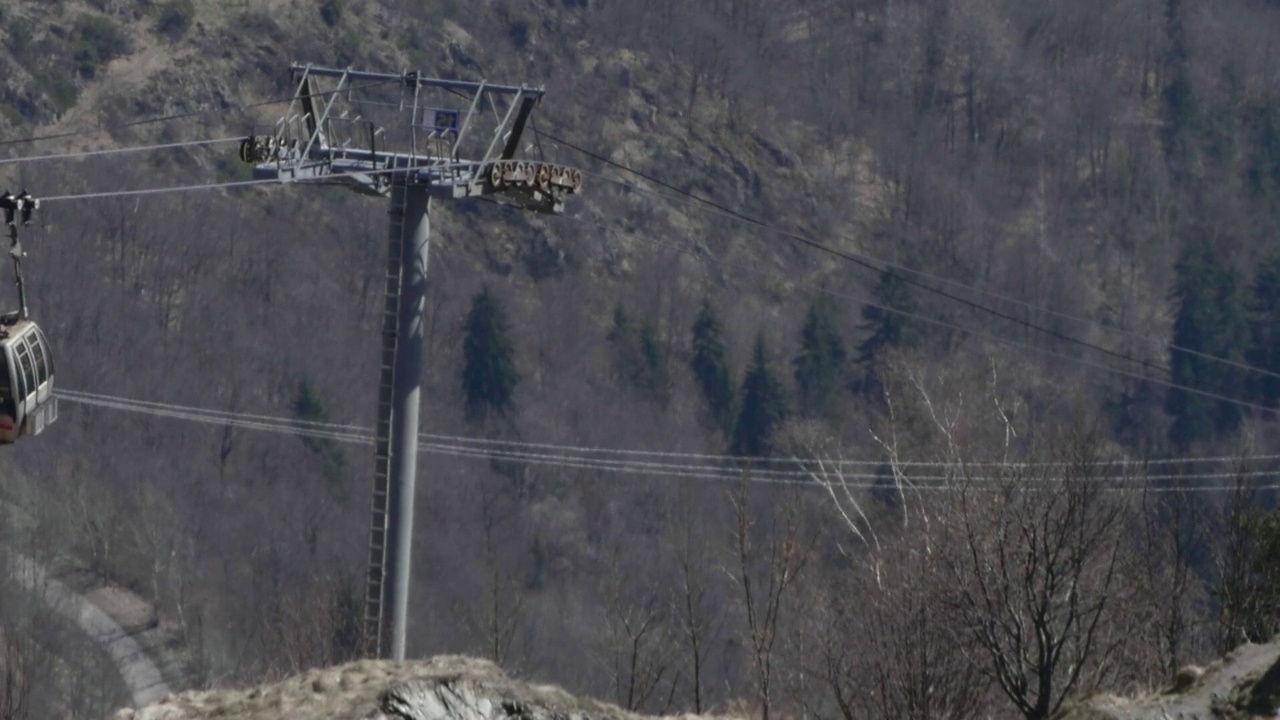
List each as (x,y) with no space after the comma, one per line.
(467,447)
(1004,341)
(192,113)
(119,151)
(361,432)
(978,333)
(318,180)
(863,260)
(868,261)
(922,318)
(942,323)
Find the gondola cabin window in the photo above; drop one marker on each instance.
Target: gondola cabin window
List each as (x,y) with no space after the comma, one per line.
(8,410)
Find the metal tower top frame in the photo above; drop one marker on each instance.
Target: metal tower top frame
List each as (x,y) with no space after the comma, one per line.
(458,138)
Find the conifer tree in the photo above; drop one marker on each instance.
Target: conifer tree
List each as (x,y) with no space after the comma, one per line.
(763,406)
(1262,167)
(1209,319)
(889,324)
(489,376)
(710,367)
(655,378)
(622,338)
(1264,322)
(1178,102)
(640,356)
(819,368)
(308,408)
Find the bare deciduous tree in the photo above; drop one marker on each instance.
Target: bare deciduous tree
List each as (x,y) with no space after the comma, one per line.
(699,625)
(15,681)
(883,648)
(768,559)
(1012,547)
(641,651)
(1033,556)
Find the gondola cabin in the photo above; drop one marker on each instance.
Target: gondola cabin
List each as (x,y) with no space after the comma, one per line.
(27,403)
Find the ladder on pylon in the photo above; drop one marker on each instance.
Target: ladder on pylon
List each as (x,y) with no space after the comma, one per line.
(373,634)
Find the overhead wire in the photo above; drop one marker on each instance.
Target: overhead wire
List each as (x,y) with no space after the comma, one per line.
(923,318)
(866,261)
(856,259)
(41,138)
(78,395)
(285,425)
(869,262)
(992,337)
(326,179)
(318,180)
(193,113)
(702,202)
(119,151)
(460,447)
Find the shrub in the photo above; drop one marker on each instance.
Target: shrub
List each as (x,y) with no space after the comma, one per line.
(523,29)
(63,93)
(97,41)
(331,12)
(175,19)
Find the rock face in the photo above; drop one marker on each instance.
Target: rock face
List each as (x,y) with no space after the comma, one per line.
(1245,684)
(446,687)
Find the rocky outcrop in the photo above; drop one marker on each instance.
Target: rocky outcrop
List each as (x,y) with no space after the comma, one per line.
(1245,684)
(447,687)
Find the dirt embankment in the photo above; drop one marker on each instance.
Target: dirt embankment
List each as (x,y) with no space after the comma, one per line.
(1244,684)
(446,687)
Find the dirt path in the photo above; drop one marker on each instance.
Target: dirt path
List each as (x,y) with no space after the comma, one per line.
(140,674)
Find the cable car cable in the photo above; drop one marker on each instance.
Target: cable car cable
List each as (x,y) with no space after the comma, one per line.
(1014,343)
(356,429)
(192,113)
(858,258)
(213,186)
(923,318)
(712,473)
(847,256)
(364,435)
(119,151)
(1045,351)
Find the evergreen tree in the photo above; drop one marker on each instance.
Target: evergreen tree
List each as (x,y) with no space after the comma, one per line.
(1178,101)
(888,325)
(819,368)
(710,367)
(622,336)
(763,406)
(640,356)
(489,376)
(1264,322)
(1209,319)
(655,378)
(308,408)
(1262,167)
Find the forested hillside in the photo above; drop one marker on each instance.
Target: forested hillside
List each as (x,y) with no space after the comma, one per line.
(942,338)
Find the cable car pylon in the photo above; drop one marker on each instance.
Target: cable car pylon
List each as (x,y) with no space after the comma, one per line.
(407,137)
